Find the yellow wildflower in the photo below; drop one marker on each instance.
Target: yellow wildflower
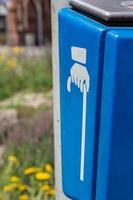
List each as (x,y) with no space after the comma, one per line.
(17,50)
(13,159)
(42,176)
(49,168)
(10,187)
(15,179)
(32,170)
(24,197)
(51,192)
(12,63)
(45,187)
(22,187)
(3,57)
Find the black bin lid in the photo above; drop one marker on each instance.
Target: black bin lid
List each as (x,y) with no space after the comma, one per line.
(110,11)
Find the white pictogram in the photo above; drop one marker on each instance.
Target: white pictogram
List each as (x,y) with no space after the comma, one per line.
(80,77)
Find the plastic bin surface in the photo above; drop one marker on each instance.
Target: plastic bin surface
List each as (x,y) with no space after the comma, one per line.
(81,66)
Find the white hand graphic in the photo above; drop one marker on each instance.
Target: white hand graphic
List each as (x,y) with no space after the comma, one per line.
(80,77)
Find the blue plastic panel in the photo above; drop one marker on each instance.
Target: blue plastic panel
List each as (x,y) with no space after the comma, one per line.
(115,164)
(81,60)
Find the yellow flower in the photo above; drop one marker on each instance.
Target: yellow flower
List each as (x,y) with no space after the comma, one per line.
(12,63)
(17,50)
(3,57)
(24,197)
(10,187)
(13,159)
(45,187)
(32,170)
(22,187)
(15,179)
(48,168)
(42,176)
(51,192)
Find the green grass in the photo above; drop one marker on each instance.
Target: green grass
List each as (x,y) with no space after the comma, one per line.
(19,73)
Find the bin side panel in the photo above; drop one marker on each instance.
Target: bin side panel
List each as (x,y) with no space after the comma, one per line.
(115,162)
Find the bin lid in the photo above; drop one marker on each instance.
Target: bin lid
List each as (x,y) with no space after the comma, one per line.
(115,11)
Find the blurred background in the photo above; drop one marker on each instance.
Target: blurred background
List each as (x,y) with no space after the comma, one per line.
(26,128)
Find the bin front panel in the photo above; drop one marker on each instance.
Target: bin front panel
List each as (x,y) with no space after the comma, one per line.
(81,58)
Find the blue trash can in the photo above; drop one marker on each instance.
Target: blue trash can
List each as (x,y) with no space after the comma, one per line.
(96,97)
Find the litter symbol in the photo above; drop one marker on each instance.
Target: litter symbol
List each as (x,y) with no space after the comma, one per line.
(80,77)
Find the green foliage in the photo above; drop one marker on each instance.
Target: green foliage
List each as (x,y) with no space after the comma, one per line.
(24,160)
(19,73)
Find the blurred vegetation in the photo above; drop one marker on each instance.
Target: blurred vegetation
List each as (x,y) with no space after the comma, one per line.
(27,165)
(19,72)
(23,164)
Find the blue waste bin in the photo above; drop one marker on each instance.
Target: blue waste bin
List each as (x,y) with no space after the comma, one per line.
(96,99)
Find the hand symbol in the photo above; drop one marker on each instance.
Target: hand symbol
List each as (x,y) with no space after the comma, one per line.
(80,77)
